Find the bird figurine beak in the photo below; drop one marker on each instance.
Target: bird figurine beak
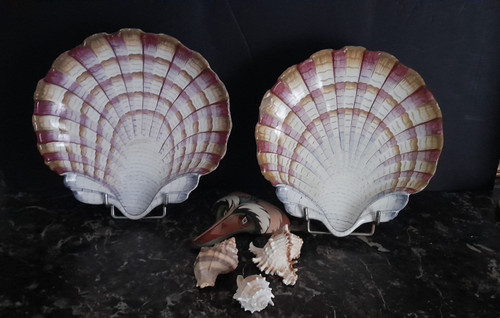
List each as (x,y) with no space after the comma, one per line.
(240,212)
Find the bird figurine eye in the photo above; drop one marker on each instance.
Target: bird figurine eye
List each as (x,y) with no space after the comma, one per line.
(244,220)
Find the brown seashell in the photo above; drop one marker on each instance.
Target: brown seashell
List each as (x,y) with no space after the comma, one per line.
(279,254)
(221,258)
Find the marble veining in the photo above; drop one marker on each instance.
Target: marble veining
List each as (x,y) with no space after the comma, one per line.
(60,258)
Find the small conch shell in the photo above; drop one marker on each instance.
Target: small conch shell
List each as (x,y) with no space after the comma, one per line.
(221,258)
(254,293)
(279,254)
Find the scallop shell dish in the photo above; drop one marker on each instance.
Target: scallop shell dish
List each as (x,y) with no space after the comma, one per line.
(348,135)
(131,119)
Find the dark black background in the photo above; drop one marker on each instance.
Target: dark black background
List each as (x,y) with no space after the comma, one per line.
(454,45)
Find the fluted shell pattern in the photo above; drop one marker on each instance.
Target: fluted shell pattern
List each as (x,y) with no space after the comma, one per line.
(348,133)
(254,293)
(279,255)
(222,258)
(133,115)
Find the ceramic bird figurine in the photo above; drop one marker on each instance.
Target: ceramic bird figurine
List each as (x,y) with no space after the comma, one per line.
(241,212)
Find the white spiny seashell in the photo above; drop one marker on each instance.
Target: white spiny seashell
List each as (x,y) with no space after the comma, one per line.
(131,119)
(254,293)
(346,134)
(222,258)
(278,256)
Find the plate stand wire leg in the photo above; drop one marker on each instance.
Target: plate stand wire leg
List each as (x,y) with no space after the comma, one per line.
(115,216)
(374,225)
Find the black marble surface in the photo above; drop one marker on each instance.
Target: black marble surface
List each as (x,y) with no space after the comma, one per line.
(59,258)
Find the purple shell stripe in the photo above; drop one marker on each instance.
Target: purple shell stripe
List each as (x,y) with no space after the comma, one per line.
(49,136)
(370,61)
(268,147)
(212,111)
(202,139)
(397,74)
(283,92)
(297,168)
(406,176)
(423,156)
(283,127)
(43,108)
(308,71)
(96,98)
(56,77)
(292,155)
(198,163)
(363,99)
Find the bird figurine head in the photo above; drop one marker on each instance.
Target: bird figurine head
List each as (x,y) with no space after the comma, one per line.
(241,212)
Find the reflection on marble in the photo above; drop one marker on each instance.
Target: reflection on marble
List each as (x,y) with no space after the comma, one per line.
(59,258)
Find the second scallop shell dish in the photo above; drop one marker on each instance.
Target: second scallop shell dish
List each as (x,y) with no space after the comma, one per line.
(131,119)
(348,134)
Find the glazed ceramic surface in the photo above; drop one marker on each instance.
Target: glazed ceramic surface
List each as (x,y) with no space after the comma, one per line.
(137,117)
(348,133)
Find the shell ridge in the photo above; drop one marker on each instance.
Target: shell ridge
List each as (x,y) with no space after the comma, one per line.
(194,83)
(395,138)
(360,151)
(389,81)
(358,100)
(152,64)
(175,60)
(87,100)
(349,71)
(121,50)
(170,109)
(309,119)
(338,104)
(299,147)
(213,137)
(316,100)
(297,177)
(179,124)
(77,144)
(292,179)
(162,88)
(319,74)
(217,109)
(299,156)
(97,63)
(339,94)
(168,81)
